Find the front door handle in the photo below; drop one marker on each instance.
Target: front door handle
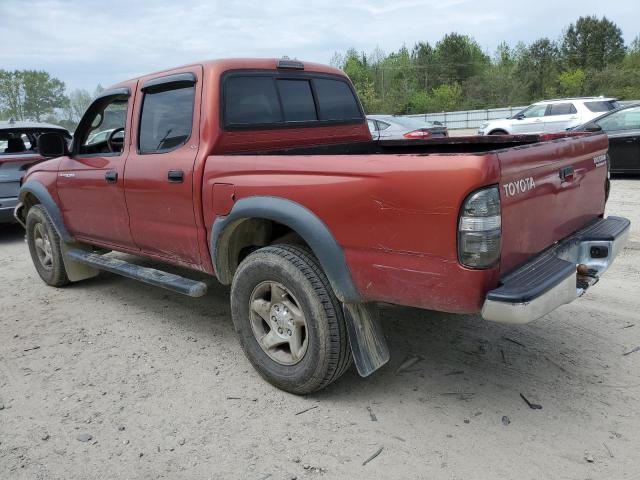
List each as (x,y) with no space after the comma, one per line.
(175,176)
(111,176)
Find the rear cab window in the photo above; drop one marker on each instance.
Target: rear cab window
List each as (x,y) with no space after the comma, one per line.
(264,100)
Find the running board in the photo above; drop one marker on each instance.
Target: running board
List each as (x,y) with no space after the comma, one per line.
(172,282)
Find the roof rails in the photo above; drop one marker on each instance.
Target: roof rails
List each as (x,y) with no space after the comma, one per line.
(601,97)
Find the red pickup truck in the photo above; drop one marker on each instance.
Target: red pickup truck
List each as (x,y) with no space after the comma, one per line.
(263,173)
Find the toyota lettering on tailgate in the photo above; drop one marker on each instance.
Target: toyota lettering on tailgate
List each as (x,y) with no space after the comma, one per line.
(519,186)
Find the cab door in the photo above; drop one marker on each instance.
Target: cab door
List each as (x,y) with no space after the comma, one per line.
(530,120)
(90,180)
(159,178)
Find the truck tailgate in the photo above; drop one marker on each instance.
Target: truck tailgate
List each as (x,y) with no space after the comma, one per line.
(549,190)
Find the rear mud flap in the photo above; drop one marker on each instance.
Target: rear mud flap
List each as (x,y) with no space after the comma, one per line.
(368,345)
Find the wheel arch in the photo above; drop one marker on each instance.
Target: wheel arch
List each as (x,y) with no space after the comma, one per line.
(300,220)
(34,192)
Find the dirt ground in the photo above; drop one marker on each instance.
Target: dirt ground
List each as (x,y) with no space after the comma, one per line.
(112,379)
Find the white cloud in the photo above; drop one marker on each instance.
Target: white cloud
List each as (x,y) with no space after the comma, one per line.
(85,42)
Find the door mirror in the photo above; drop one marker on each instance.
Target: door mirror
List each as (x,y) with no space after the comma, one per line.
(52,145)
(519,116)
(592,127)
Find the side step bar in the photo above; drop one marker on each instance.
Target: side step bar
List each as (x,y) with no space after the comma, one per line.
(172,282)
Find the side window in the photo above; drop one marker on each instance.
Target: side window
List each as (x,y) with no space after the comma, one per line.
(383,125)
(623,120)
(534,111)
(372,126)
(561,109)
(106,130)
(297,100)
(336,101)
(601,105)
(166,119)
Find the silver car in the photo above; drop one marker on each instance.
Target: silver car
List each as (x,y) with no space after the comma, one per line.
(395,127)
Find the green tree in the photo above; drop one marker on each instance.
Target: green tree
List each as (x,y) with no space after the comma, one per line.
(457,58)
(30,94)
(538,67)
(572,83)
(592,43)
(12,94)
(42,94)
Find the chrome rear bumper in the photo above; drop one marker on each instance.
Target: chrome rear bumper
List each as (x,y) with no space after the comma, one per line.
(550,279)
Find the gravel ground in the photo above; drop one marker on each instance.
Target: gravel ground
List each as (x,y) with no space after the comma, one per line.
(110,378)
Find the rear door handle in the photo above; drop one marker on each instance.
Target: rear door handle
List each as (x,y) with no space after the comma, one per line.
(175,176)
(111,176)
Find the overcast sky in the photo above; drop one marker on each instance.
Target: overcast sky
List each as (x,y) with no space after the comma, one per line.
(86,42)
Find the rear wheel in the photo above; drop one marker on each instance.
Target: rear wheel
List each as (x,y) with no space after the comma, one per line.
(288,319)
(498,132)
(44,247)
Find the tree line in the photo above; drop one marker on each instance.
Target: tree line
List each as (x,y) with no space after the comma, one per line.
(37,96)
(589,58)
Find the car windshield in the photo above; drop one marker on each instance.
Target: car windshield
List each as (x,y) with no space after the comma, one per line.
(627,119)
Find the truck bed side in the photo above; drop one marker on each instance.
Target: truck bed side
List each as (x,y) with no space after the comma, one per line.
(395,216)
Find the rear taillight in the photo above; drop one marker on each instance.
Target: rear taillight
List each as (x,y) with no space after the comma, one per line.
(417,134)
(479,229)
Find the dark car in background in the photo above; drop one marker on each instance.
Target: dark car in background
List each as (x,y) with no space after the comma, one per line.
(18,151)
(395,127)
(623,129)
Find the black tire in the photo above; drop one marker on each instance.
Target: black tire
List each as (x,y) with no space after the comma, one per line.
(327,355)
(498,132)
(38,224)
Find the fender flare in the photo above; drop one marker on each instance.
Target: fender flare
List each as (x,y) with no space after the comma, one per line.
(301,220)
(39,191)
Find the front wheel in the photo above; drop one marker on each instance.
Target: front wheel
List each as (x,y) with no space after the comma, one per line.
(288,319)
(44,247)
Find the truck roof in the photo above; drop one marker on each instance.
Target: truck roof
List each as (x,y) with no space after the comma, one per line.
(218,66)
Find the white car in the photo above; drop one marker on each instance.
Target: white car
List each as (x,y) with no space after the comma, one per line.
(550,116)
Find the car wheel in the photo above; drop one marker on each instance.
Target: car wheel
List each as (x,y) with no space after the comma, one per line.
(289,321)
(44,247)
(498,132)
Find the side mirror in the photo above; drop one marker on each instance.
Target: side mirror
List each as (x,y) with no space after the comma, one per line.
(52,145)
(592,127)
(519,116)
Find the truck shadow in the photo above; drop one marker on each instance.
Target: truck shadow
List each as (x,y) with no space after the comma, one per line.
(441,359)
(437,359)
(11,233)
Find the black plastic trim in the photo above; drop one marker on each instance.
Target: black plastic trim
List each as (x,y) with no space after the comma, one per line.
(170,82)
(302,221)
(532,280)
